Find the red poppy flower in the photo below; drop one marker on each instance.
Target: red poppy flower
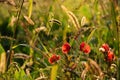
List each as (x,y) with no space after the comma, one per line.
(54,58)
(85,48)
(66,48)
(110,56)
(105,47)
(82,45)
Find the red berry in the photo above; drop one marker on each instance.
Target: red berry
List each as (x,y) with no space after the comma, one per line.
(66,48)
(54,58)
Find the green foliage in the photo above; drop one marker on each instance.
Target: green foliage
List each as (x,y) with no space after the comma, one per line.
(31,31)
(54,72)
(20,75)
(91,35)
(1,49)
(30,8)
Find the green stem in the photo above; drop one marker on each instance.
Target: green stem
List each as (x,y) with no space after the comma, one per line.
(116,31)
(30,8)
(118,39)
(14,32)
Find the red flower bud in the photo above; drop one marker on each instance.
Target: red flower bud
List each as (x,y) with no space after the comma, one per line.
(85,48)
(110,56)
(54,58)
(105,47)
(66,48)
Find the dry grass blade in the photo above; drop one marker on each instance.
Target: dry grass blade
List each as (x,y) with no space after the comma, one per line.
(42,77)
(29,20)
(72,17)
(7,37)
(28,71)
(84,21)
(83,74)
(22,56)
(55,21)
(96,68)
(13,20)
(2,59)
(15,65)
(11,2)
(42,28)
(3,62)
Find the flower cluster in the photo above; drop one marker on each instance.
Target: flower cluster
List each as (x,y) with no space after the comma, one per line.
(84,47)
(109,55)
(54,58)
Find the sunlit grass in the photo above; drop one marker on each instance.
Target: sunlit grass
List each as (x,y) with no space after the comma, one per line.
(31,31)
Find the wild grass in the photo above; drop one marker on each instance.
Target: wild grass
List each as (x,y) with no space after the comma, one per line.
(31,31)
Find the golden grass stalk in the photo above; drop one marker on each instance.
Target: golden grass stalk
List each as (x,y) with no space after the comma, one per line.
(96,68)
(93,67)
(22,56)
(30,21)
(83,74)
(72,17)
(84,21)
(3,62)
(41,28)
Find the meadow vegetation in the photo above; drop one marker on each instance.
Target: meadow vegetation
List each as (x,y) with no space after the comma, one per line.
(59,40)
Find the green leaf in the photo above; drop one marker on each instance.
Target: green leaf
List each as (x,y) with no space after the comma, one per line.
(20,45)
(20,75)
(90,36)
(30,8)
(44,47)
(1,49)
(54,72)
